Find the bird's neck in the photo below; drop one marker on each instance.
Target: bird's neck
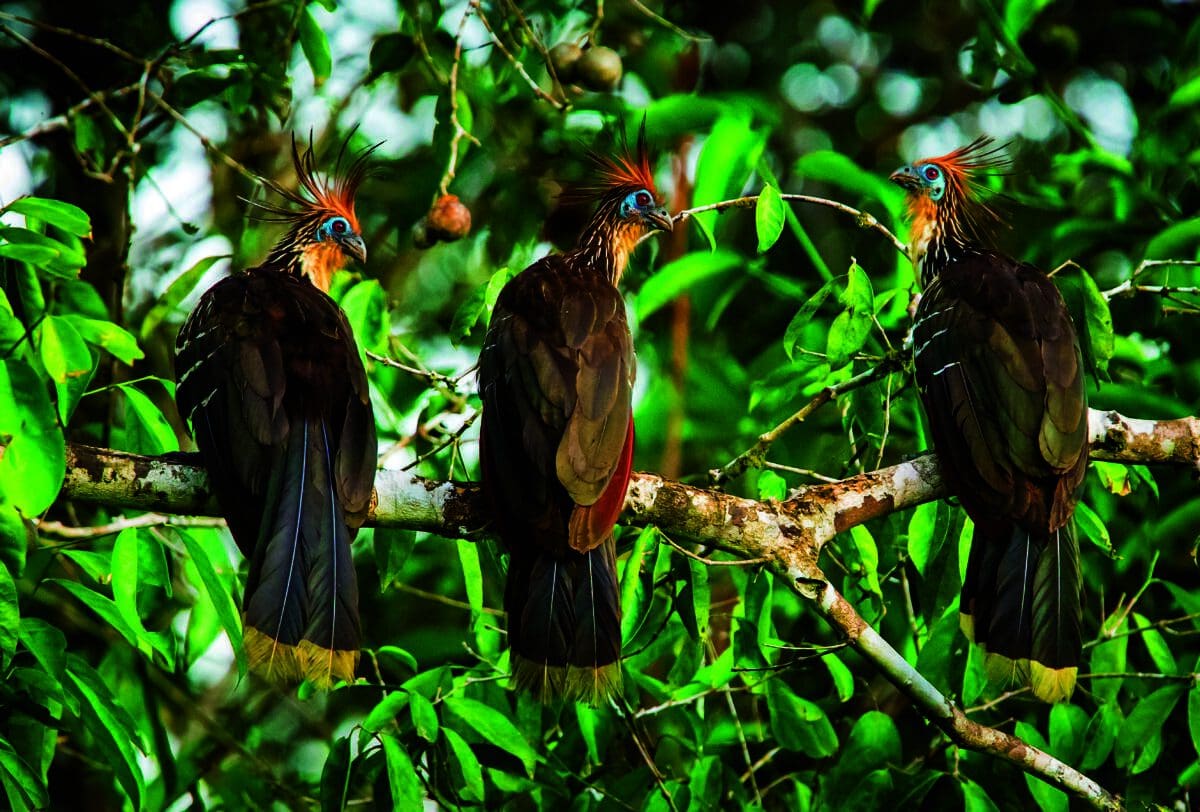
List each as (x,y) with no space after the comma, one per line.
(604,249)
(315,261)
(934,243)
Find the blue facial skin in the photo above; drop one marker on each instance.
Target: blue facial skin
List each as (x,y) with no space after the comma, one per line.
(638,201)
(334,228)
(933,179)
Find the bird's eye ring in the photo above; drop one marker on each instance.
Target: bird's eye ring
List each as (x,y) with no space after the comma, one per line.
(643,198)
(339,225)
(931,173)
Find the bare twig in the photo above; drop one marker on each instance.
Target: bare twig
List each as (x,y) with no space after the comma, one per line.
(460,132)
(754,456)
(1131,286)
(561,106)
(64,531)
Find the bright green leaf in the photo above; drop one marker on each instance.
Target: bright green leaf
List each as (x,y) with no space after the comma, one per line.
(207,555)
(494,727)
(33,461)
(469,774)
(678,277)
(66,216)
(798,724)
(315,45)
(407,792)
(769,215)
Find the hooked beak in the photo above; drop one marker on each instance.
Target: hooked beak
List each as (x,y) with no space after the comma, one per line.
(353,245)
(906,178)
(660,219)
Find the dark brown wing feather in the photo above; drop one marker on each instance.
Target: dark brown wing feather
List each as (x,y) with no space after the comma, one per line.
(556,379)
(271,380)
(1000,374)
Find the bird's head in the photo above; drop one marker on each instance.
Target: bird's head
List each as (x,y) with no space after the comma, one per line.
(942,192)
(324,230)
(629,205)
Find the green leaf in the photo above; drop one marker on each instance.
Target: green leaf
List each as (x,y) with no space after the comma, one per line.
(495,728)
(1098,323)
(31,253)
(1143,728)
(33,456)
(392,547)
(694,601)
(386,709)
(921,526)
(1186,94)
(771,486)
(424,716)
(729,153)
(1093,528)
(335,777)
(67,259)
(798,724)
(1156,645)
(469,775)
(46,643)
(803,317)
(405,784)
(833,167)
(632,588)
(107,609)
(678,277)
(146,429)
(1049,799)
(171,302)
(770,212)
(1068,724)
(110,724)
(315,45)
(468,556)
(115,340)
(1100,735)
(10,617)
(63,351)
(203,549)
(365,305)
(1194,716)
(1018,14)
(1108,656)
(842,676)
(66,216)
(851,327)
(975,797)
(19,775)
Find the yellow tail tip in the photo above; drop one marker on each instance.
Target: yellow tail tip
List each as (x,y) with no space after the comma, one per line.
(286,665)
(551,683)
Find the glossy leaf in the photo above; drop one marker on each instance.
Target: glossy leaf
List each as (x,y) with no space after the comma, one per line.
(770,212)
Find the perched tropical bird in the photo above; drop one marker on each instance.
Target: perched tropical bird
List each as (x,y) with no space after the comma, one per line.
(271,380)
(1000,374)
(556,379)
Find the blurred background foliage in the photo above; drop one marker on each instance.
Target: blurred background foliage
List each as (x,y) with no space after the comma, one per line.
(147,122)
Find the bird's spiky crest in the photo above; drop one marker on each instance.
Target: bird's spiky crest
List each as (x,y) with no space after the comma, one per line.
(627,170)
(334,195)
(964,169)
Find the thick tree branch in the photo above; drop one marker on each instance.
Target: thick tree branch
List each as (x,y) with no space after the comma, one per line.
(788,534)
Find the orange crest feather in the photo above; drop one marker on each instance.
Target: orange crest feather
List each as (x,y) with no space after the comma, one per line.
(332,196)
(628,170)
(961,166)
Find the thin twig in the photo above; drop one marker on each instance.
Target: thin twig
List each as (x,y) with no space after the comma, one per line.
(864,219)
(442,599)
(674,29)
(741,735)
(754,456)
(64,531)
(460,132)
(1130,286)
(739,562)
(561,106)
(454,437)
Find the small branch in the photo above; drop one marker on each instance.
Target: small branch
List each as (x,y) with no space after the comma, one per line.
(561,106)
(460,132)
(1130,286)
(754,456)
(864,219)
(442,599)
(65,531)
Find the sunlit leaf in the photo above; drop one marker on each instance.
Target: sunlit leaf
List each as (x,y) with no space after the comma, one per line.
(495,728)
(33,458)
(403,781)
(678,277)
(68,217)
(769,214)
(798,724)
(315,45)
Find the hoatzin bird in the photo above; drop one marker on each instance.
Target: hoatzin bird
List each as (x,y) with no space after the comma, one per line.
(271,380)
(556,379)
(1000,375)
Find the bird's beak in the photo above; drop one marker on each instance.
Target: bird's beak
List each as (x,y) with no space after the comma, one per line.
(353,245)
(660,219)
(906,178)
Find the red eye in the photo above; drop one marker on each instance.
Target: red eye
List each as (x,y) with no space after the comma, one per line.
(339,226)
(643,198)
(931,173)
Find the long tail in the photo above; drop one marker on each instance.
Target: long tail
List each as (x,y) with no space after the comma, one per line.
(1021,601)
(301,603)
(564,624)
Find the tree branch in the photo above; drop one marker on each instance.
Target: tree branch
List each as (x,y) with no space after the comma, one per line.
(788,534)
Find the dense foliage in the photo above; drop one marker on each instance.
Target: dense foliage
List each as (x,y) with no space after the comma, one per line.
(137,131)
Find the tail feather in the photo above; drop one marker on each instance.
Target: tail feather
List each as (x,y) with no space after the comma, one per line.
(301,598)
(564,624)
(1021,600)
